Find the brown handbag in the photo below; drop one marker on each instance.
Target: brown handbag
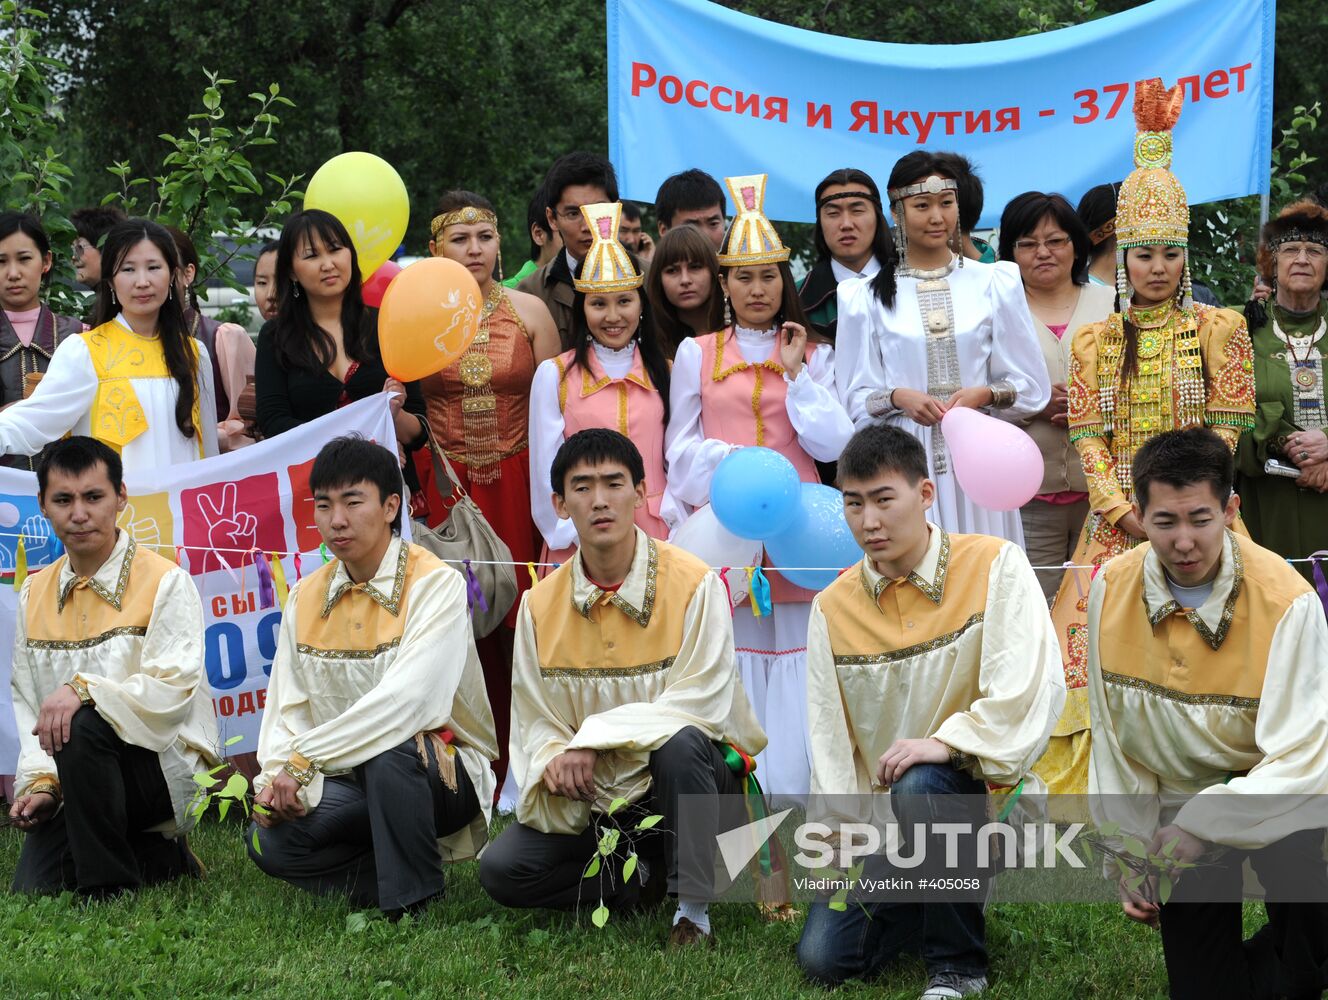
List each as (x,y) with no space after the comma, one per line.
(466,534)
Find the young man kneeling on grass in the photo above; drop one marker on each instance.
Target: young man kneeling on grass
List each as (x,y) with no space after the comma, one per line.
(1208,690)
(623,686)
(932,670)
(110,695)
(377,735)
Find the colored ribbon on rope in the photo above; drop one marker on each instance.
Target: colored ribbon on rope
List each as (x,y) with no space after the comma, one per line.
(742,764)
(762,606)
(534,577)
(279,580)
(267,592)
(724,579)
(20,564)
(299,570)
(322,551)
(180,558)
(474,592)
(1320,584)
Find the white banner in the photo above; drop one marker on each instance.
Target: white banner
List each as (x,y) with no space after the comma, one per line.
(213,517)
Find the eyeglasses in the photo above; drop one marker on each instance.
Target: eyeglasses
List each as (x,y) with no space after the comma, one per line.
(1055,244)
(572,214)
(1313,252)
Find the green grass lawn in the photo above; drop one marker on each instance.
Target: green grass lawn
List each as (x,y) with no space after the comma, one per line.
(241,933)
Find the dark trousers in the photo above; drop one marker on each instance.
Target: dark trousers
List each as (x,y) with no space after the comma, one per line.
(100,842)
(1288,957)
(861,940)
(527,868)
(374,835)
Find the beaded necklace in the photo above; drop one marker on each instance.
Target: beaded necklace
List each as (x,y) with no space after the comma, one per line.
(1306,372)
(936,306)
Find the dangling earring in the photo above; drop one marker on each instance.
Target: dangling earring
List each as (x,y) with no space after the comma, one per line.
(902,242)
(1123,290)
(728,313)
(1186,287)
(113,300)
(295,288)
(958,245)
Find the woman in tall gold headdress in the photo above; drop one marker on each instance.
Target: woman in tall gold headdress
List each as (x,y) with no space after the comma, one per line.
(1158,363)
(759,382)
(478,409)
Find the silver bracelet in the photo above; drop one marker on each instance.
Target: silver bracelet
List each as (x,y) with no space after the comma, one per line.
(879,403)
(1002,394)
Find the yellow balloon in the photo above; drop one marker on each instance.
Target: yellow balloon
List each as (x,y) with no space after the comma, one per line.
(429,316)
(369,197)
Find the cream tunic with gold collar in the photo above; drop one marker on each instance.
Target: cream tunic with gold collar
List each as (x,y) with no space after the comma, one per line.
(961,650)
(362,668)
(621,672)
(1229,700)
(133,631)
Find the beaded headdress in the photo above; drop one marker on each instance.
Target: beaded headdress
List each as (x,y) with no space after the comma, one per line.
(470,215)
(751,238)
(1151,207)
(607,267)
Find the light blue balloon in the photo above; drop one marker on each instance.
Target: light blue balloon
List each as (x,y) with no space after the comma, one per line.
(754,493)
(818,536)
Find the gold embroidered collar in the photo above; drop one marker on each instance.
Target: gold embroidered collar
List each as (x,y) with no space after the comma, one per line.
(387,584)
(928,575)
(594,378)
(1213,620)
(720,372)
(108,582)
(635,598)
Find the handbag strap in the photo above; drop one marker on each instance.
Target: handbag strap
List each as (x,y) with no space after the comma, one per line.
(443,473)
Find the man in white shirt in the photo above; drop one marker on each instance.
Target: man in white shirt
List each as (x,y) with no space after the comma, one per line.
(377,735)
(110,695)
(933,672)
(1209,703)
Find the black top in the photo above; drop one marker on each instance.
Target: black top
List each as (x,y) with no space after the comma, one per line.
(286,399)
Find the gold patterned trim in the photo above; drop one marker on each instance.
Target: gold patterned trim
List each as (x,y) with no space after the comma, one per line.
(908,652)
(348,654)
(1185,698)
(97,640)
(640,670)
(1213,638)
(639,615)
(932,591)
(115,598)
(392,604)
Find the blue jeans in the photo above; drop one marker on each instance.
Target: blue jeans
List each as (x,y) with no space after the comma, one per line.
(861,940)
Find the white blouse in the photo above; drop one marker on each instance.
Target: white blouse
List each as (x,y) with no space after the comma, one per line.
(62,404)
(547,428)
(693,452)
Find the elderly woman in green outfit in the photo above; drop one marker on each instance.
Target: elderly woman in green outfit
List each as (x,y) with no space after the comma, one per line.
(1283,461)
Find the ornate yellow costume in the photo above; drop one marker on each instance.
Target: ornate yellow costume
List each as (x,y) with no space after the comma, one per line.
(1165,367)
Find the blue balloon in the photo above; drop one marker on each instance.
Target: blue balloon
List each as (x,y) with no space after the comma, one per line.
(754,493)
(818,536)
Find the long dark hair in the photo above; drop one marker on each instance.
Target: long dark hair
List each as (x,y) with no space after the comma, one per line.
(181,355)
(1025,212)
(31,227)
(652,355)
(300,342)
(883,245)
(1130,354)
(681,244)
(188,256)
(790,306)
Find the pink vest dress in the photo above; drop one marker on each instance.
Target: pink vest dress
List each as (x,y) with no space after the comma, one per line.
(630,405)
(744,404)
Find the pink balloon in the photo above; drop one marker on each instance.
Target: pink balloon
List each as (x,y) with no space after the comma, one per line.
(376,284)
(997,464)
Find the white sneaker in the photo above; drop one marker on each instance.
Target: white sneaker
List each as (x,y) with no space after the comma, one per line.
(948,985)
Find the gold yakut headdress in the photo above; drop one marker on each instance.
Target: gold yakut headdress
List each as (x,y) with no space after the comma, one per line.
(1151,207)
(751,238)
(607,267)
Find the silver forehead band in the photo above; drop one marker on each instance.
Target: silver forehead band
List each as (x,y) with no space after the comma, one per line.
(932,185)
(1299,236)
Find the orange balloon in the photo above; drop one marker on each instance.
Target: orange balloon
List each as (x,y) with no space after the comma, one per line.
(429,316)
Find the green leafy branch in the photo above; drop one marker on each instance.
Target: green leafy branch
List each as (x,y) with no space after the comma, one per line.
(1138,870)
(206,171)
(235,791)
(613,838)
